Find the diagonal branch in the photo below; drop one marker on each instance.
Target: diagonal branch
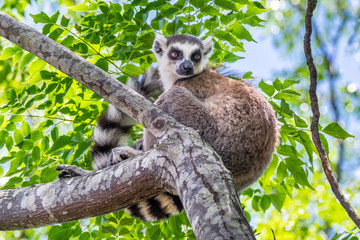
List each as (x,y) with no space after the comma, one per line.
(316,115)
(60,57)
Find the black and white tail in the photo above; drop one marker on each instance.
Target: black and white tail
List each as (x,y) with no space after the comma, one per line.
(110,133)
(113,125)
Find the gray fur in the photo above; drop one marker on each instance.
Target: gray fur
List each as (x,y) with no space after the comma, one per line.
(234,118)
(230,115)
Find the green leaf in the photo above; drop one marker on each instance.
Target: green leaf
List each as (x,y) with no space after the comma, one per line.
(60,233)
(287,150)
(299,122)
(241,32)
(247,75)
(25,127)
(104,7)
(3,135)
(211,24)
(27,145)
(41,18)
(82,148)
(36,135)
(324,142)
(54,134)
(210,10)
(308,144)
(266,88)
(56,33)
(126,221)
(231,57)
(277,84)
(197,3)
(103,64)
(55,17)
(8,53)
(271,169)
(226,5)
(84,236)
(336,131)
(265,202)
(285,108)
(132,70)
(288,83)
(64,21)
(16,118)
(294,166)
(10,127)
(60,143)
(36,153)
(26,59)
(36,66)
(9,143)
(254,10)
(278,200)
(281,171)
(84,7)
(68,41)
(174,27)
(18,137)
(155,5)
(13,182)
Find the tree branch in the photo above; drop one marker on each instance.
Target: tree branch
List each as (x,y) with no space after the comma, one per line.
(180,163)
(80,197)
(316,115)
(60,57)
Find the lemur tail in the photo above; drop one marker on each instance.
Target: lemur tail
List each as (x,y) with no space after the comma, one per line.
(113,125)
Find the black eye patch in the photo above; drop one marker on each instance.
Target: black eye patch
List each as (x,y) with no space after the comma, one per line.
(196,56)
(175,54)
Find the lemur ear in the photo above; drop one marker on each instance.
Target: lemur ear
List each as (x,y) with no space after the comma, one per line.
(208,46)
(159,45)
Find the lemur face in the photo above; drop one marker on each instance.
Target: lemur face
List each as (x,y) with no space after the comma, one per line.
(180,56)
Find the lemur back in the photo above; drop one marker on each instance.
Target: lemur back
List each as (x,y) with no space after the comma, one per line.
(230,115)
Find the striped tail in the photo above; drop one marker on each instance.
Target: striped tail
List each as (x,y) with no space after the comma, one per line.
(113,125)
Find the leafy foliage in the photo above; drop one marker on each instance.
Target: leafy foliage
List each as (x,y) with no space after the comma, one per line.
(48,118)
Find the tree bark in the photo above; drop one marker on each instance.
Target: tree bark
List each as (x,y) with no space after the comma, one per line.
(180,163)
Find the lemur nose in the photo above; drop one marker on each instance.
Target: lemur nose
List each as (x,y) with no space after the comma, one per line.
(187,66)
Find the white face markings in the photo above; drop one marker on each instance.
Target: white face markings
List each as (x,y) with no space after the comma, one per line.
(179,59)
(167,66)
(188,50)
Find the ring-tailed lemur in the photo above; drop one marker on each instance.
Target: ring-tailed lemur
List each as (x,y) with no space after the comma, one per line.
(113,125)
(234,118)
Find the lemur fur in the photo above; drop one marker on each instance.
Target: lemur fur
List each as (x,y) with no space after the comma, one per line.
(113,125)
(232,116)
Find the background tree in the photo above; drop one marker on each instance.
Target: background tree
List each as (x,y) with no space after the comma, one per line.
(48,118)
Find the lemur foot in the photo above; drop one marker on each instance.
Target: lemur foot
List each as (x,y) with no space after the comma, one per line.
(120,154)
(70,171)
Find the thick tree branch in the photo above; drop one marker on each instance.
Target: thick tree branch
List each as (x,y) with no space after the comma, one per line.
(181,162)
(316,115)
(81,197)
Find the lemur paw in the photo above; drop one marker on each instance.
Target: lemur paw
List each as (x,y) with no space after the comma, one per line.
(70,171)
(120,154)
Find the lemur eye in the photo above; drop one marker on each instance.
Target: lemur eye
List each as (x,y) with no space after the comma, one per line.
(175,54)
(196,56)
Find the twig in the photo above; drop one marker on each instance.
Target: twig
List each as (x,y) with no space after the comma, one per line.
(316,115)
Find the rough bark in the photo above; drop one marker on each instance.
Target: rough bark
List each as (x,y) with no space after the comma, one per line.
(316,116)
(181,162)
